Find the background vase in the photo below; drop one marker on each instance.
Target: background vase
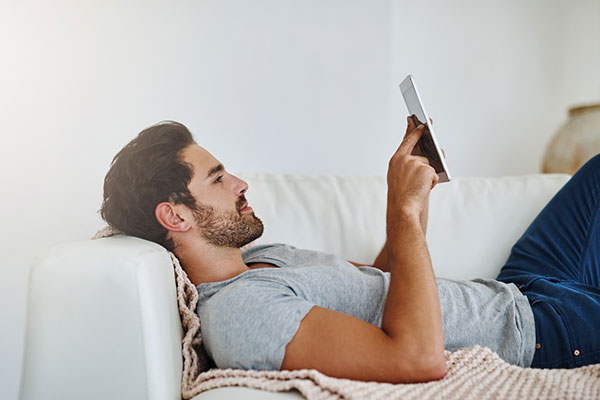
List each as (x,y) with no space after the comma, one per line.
(576,142)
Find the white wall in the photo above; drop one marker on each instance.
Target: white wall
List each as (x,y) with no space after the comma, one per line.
(282,86)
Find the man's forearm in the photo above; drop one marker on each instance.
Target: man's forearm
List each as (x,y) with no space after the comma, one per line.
(381,261)
(424,216)
(412,311)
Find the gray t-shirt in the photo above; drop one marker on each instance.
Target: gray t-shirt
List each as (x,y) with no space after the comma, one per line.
(248,320)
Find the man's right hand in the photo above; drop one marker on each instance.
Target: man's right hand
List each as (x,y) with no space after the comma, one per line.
(410,178)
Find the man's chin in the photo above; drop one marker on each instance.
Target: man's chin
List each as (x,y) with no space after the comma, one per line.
(260,228)
(251,240)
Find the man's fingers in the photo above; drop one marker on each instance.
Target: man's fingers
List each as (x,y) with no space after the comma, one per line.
(424,160)
(410,140)
(410,125)
(436,179)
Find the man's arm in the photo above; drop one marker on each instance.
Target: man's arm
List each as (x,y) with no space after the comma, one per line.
(409,346)
(381,261)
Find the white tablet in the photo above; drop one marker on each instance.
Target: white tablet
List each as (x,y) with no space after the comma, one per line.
(428,145)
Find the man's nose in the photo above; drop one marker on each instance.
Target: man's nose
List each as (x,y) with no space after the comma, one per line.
(240,187)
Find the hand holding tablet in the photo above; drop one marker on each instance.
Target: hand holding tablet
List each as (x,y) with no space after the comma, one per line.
(428,145)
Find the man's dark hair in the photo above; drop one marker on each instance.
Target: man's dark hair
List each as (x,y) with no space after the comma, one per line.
(146,172)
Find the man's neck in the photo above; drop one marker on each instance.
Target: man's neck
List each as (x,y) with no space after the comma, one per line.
(206,263)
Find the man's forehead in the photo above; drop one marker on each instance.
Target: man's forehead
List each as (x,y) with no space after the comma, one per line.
(197,153)
(200,158)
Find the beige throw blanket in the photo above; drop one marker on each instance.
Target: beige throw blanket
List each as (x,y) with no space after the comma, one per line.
(472,373)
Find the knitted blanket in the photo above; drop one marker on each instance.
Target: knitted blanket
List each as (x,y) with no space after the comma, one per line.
(472,373)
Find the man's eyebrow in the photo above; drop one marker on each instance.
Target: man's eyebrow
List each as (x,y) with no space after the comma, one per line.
(214,170)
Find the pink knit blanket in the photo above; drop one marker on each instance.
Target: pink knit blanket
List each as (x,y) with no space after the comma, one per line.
(474,373)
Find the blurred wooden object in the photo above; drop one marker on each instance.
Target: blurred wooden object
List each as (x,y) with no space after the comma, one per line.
(576,142)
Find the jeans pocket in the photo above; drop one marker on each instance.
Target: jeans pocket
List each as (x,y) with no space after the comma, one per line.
(554,346)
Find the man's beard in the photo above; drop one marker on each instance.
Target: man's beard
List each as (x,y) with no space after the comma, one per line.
(227,228)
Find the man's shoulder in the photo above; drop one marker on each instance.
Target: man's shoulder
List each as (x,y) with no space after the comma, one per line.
(254,248)
(285,255)
(265,251)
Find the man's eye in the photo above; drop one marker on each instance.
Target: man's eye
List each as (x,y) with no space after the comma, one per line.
(219,179)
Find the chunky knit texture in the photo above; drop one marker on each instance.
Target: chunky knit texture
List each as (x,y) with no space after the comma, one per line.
(472,373)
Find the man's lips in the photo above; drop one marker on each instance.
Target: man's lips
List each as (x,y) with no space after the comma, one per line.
(245,207)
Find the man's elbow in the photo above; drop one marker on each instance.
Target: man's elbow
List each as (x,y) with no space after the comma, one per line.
(436,369)
(425,368)
(432,367)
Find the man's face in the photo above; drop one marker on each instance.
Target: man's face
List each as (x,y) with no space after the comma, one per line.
(222,215)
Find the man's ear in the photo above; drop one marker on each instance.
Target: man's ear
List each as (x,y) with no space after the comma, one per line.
(166,215)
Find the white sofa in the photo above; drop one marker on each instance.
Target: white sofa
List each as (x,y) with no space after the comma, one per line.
(102,316)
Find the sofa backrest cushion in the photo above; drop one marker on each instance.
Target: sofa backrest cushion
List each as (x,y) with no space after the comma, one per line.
(473,222)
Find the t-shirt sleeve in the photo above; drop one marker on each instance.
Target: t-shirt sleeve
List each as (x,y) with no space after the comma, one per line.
(247,325)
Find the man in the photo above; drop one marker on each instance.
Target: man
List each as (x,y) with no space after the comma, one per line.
(278,307)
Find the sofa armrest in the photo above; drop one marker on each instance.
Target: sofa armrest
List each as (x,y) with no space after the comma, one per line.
(102,323)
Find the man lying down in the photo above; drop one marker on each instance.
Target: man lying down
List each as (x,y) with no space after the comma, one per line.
(278,307)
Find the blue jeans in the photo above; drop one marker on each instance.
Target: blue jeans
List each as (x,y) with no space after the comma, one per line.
(556,264)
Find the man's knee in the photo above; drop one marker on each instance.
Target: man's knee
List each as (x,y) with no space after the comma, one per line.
(595,160)
(592,165)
